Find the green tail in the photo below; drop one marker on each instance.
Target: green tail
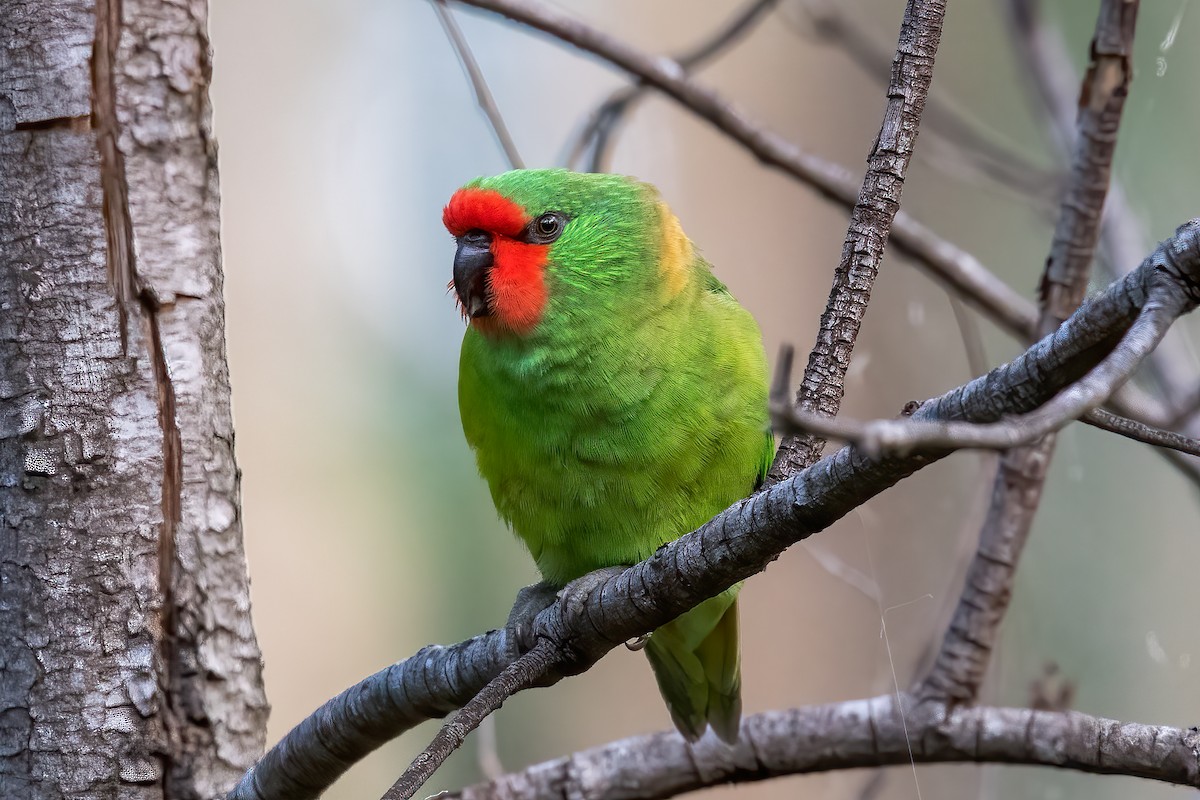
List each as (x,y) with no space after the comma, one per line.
(695,660)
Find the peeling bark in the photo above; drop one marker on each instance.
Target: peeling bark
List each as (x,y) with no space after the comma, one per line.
(128,664)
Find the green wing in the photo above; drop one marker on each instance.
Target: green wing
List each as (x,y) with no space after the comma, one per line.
(695,658)
(696,663)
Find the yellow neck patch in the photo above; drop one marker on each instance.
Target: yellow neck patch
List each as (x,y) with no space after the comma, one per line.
(675,253)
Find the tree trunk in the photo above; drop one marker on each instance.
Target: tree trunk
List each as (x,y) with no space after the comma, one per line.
(128,664)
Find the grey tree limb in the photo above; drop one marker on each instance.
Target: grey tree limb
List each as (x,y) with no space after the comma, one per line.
(960,665)
(895,436)
(734,545)
(855,734)
(901,436)
(130,666)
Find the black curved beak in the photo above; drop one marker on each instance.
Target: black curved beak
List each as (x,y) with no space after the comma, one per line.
(471,264)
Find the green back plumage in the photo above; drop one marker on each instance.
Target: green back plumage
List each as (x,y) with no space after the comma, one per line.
(634,411)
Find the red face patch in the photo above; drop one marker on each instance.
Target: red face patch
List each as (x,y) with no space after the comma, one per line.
(516,282)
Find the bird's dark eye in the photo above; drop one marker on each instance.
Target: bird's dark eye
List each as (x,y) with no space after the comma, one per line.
(546,228)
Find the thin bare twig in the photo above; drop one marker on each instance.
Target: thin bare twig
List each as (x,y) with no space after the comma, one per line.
(823,383)
(1141,432)
(602,123)
(521,674)
(889,437)
(483,95)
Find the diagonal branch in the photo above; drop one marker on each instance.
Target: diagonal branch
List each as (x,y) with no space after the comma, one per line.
(855,734)
(824,380)
(896,437)
(737,543)
(1147,434)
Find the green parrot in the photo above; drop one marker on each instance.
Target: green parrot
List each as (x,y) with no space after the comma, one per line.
(614,393)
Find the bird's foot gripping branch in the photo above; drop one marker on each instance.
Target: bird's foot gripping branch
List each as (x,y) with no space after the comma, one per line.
(743,540)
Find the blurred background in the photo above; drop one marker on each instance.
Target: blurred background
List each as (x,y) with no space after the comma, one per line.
(345,125)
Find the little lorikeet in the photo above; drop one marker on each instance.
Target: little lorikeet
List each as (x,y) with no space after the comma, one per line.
(615,395)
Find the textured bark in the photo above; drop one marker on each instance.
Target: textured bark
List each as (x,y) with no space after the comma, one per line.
(128,665)
(871,219)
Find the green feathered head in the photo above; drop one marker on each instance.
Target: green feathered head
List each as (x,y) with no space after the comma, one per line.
(540,248)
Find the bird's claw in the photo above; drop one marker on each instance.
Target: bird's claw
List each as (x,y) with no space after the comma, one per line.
(638,643)
(575,594)
(531,601)
(521,628)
